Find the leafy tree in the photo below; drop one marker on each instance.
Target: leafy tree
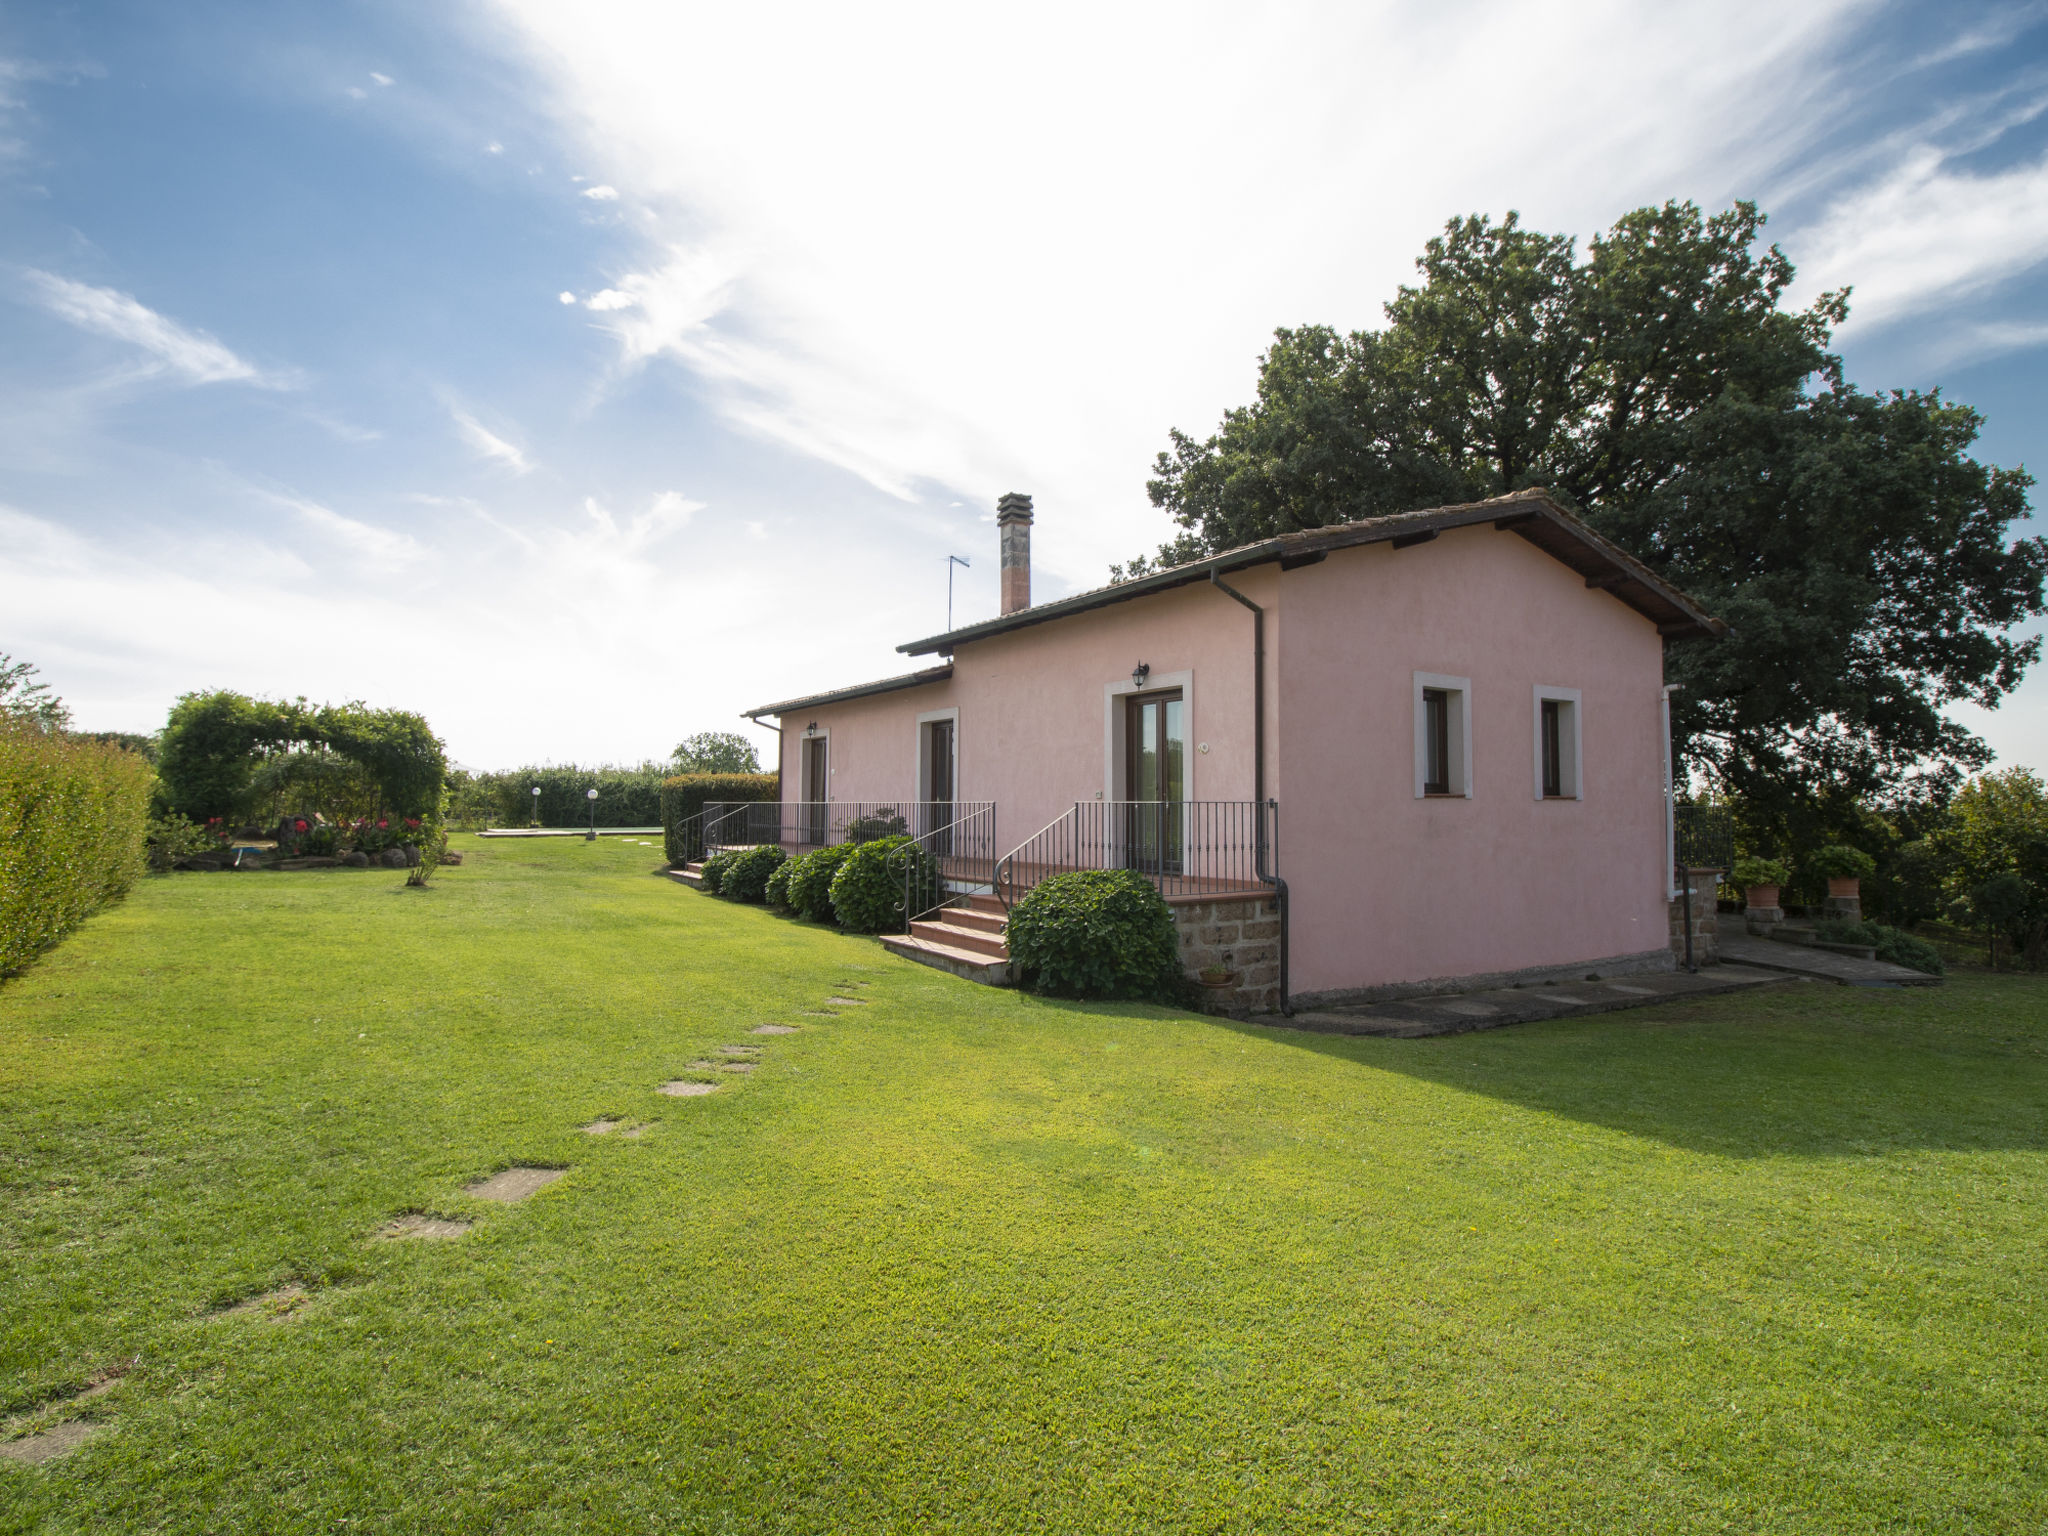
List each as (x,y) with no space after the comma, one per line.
(24,696)
(1997,837)
(717,752)
(1863,558)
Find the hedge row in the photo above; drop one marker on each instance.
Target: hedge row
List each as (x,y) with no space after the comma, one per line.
(683,795)
(626,796)
(73,815)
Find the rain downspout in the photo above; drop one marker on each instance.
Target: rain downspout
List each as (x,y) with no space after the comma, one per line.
(1259,768)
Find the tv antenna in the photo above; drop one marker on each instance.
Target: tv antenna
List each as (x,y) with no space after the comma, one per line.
(951,561)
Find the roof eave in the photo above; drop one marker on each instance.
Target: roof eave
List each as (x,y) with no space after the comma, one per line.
(918,679)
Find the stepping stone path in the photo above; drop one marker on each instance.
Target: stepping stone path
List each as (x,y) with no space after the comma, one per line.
(683,1090)
(638,1131)
(514,1184)
(278,1306)
(846,1002)
(424,1226)
(34,1450)
(774,1029)
(599,1127)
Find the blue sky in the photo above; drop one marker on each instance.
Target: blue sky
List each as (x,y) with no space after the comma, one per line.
(580,376)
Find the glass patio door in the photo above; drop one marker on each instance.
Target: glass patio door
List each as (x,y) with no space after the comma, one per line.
(1155,768)
(938,783)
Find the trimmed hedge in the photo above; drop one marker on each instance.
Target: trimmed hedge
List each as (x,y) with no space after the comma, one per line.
(776,891)
(867,893)
(683,796)
(746,877)
(1096,933)
(809,885)
(73,817)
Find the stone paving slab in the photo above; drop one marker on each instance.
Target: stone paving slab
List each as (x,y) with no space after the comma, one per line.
(1450,1013)
(1741,947)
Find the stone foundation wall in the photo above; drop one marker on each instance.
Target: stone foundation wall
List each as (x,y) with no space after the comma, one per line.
(1241,934)
(1706,931)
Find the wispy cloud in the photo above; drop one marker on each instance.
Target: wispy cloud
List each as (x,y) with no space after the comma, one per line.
(192,355)
(977,277)
(488,443)
(602,194)
(366,541)
(1926,233)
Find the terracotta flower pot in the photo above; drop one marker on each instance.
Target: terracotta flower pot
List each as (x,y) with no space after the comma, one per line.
(1849,886)
(1763,896)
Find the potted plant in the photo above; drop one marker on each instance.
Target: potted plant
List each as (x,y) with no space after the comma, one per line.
(1844,868)
(1216,977)
(1759,880)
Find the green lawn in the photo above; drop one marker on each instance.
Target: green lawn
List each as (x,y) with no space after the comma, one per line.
(960,1259)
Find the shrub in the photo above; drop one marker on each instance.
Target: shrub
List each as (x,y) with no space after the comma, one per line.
(683,796)
(73,821)
(171,838)
(867,893)
(1754,871)
(713,869)
(810,881)
(1889,943)
(746,877)
(776,891)
(1096,933)
(1838,861)
(1904,949)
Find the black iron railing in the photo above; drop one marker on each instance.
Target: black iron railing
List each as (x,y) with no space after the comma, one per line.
(801,825)
(1185,847)
(948,863)
(1706,836)
(686,839)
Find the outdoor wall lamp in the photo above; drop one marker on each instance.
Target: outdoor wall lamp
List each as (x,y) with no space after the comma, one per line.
(811,729)
(591,796)
(536,806)
(1139,673)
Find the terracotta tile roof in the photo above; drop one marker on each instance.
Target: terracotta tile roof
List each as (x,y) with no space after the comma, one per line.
(936,674)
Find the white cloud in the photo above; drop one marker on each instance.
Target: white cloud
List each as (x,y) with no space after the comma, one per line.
(380,79)
(602,194)
(1924,234)
(494,148)
(931,247)
(358,93)
(193,355)
(365,541)
(488,443)
(566,296)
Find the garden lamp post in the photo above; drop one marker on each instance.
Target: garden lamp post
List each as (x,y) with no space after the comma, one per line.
(536,805)
(591,796)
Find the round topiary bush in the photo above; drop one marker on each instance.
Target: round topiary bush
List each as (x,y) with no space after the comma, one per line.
(712,871)
(867,893)
(810,881)
(776,892)
(1096,933)
(746,877)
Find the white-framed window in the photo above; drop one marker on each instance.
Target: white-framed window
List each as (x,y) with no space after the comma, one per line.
(1443,737)
(1557,737)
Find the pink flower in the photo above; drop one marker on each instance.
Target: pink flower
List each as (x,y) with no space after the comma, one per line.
(300,825)
(383,825)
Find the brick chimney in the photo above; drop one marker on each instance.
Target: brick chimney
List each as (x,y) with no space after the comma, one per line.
(1013,527)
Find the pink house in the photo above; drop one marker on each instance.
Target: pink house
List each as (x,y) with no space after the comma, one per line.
(1391,757)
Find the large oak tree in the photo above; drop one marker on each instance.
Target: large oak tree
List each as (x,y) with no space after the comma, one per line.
(1867,563)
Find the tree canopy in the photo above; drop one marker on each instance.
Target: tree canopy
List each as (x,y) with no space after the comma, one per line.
(717,752)
(27,698)
(1866,562)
